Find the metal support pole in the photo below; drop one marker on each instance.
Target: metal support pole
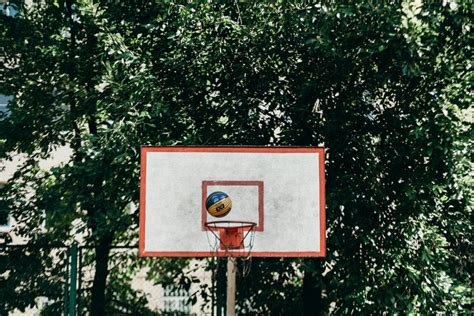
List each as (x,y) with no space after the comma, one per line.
(213,285)
(231,269)
(221,283)
(73,281)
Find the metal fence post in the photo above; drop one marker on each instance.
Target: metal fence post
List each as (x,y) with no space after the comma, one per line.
(66,284)
(73,281)
(79,283)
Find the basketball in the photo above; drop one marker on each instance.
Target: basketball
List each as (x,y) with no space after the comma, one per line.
(218,204)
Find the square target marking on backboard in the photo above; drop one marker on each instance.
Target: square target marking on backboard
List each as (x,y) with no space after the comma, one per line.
(279,188)
(247,200)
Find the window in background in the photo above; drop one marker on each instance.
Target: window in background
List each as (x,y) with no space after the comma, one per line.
(5,224)
(7,8)
(176,300)
(4,103)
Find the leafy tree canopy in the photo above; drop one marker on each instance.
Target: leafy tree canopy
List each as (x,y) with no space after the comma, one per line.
(384,87)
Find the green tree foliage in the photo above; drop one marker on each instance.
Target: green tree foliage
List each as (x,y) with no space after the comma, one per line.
(384,87)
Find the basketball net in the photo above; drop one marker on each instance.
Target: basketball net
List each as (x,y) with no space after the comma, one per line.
(232,239)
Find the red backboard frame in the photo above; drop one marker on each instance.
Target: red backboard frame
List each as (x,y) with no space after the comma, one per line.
(233,149)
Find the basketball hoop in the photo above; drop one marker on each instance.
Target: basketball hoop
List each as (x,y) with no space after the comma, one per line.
(232,238)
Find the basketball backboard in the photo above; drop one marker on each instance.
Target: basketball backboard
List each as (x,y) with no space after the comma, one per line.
(281,189)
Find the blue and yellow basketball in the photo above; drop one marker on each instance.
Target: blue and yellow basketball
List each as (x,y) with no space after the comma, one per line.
(218,204)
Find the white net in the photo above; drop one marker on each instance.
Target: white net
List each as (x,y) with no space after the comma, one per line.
(232,239)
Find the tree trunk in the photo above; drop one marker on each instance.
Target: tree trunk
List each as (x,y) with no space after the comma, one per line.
(312,303)
(102,251)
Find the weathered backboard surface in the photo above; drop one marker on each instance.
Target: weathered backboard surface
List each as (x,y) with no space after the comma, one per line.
(279,188)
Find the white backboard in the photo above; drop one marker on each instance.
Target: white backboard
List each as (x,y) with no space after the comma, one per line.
(279,188)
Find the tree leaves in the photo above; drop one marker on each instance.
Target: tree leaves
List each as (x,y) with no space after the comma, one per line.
(384,87)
